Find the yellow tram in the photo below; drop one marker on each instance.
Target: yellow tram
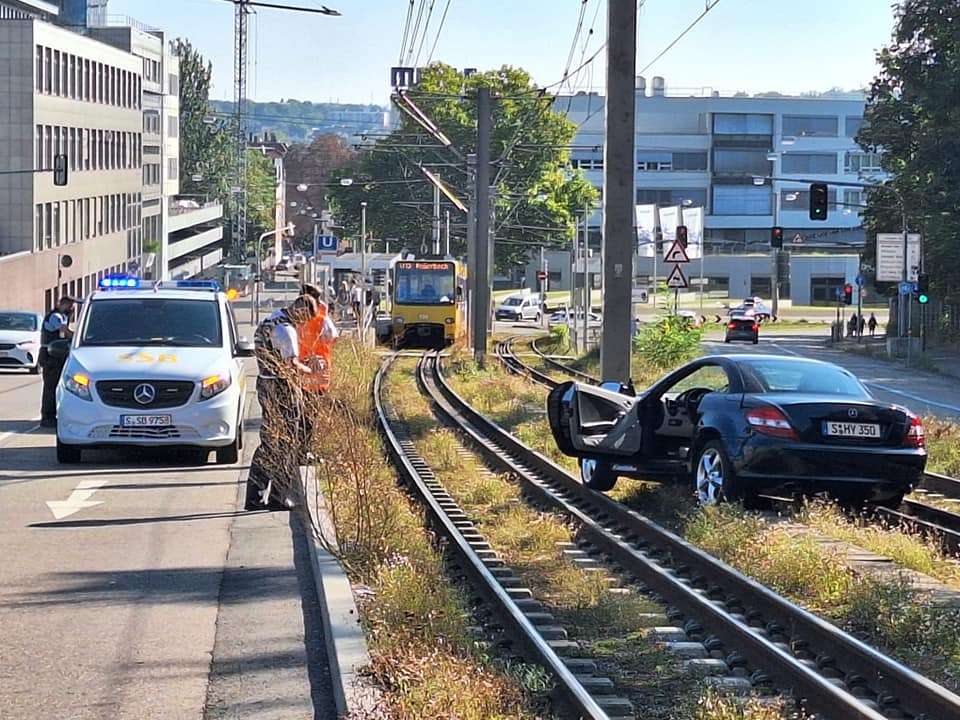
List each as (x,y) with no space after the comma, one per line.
(428,302)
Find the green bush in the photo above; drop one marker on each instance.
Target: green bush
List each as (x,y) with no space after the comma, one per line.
(668,342)
(560,335)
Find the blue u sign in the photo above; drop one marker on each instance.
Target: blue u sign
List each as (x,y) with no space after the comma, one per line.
(326,242)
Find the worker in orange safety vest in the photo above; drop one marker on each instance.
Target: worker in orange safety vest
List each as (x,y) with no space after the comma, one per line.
(316,337)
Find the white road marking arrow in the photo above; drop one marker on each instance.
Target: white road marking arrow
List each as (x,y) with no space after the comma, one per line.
(78,500)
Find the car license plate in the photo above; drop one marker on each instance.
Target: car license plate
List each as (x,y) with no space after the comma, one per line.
(146,420)
(847,429)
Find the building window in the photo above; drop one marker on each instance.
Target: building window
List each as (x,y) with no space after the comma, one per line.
(47,70)
(587,163)
(173,125)
(742,124)
(47,225)
(174,83)
(56,72)
(56,223)
(858,162)
(810,125)
(807,163)
(173,169)
(740,162)
(852,125)
(38,80)
(72,149)
(48,147)
(38,240)
(38,141)
(72,75)
(741,200)
(689,161)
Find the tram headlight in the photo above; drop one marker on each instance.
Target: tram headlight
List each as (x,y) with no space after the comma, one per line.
(398,321)
(449,321)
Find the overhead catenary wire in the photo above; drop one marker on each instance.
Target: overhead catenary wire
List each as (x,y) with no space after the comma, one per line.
(406,31)
(436,37)
(416,31)
(426,32)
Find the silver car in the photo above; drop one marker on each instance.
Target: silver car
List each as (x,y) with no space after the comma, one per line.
(20,339)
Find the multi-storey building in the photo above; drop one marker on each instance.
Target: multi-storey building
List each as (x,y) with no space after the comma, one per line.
(748,161)
(65,94)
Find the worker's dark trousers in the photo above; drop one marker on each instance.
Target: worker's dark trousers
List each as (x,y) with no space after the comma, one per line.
(51,376)
(277,457)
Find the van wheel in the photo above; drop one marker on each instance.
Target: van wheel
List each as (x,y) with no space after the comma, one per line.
(597,474)
(229,454)
(538,319)
(68,454)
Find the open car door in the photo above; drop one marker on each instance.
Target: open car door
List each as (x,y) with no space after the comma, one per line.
(589,421)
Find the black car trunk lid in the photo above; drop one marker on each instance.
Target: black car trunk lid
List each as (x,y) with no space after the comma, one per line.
(842,421)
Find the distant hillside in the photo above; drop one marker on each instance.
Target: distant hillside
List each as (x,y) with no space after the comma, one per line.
(296,121)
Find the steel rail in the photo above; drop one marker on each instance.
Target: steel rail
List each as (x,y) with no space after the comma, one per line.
(440,506)
(627,530)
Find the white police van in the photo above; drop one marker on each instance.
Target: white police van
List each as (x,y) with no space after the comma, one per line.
(151,365)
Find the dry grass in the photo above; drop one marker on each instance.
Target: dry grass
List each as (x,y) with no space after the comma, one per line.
(893,617)
(424,655)
(943,446)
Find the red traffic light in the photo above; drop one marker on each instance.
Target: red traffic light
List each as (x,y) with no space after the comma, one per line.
(848,294)
(848,288)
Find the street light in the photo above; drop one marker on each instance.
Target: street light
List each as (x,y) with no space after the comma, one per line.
(255,305)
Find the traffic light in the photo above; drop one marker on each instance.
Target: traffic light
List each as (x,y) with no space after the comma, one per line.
(60,170)
(923,288)
(682,236)
(776,237)
(848,294)
(818,201)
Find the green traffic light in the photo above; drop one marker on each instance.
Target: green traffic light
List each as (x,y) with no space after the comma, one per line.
(923,298)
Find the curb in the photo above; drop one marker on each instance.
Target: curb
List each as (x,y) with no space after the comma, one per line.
(345,640)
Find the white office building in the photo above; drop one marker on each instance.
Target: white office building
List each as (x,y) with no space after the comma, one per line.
(64,93)
(748,161)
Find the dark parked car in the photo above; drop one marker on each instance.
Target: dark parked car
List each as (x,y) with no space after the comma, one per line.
(742,327)
(736,426)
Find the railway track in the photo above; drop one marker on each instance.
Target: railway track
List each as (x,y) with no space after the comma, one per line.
(835,674)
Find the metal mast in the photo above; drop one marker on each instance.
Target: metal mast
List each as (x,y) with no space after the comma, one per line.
(238,236)
(240,65)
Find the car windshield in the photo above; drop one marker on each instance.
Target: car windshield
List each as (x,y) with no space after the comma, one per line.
(153,321)
(771,375)
(22,322)
(511,301)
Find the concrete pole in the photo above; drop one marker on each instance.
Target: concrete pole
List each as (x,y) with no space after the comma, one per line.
(586,291)
(775,253)
(618,189)
(363,273)
(481,309)
(436,220)
(471,243)
(447,253)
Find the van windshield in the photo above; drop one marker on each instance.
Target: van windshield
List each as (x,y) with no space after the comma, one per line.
(513,301)
(153,321)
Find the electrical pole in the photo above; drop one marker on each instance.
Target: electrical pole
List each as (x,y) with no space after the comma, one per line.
(618,190)
(481,305)
(436,220)
(471,243)
(447,253)
(239,230)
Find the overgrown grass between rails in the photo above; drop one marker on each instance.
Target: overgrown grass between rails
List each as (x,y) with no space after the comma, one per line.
(610,626)
(417,623)
(943,446)
(891,616)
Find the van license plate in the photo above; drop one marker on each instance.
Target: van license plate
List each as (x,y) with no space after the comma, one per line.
(146,420)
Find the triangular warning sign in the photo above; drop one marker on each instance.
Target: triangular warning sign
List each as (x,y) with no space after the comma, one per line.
(676,254)
(676,278)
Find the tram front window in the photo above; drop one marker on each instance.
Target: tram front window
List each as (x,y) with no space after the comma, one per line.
(425,287)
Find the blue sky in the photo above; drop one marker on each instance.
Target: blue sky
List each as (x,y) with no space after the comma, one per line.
(750,45)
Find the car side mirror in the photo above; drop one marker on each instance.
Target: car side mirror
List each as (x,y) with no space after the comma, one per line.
(243,348)
(59,349)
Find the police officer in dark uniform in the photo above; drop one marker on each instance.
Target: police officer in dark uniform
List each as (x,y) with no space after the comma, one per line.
(56,326)
(273,479)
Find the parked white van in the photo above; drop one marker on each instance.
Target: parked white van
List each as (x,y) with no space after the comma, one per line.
(522,306)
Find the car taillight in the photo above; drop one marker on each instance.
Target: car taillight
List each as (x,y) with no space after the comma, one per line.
(755,328)
(915,436)
(732,326)
(770,421)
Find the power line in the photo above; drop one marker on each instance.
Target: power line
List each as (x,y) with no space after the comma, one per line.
(679,37)
(437,36)
(426,31)
(406,30)
(416,30)
(576,36)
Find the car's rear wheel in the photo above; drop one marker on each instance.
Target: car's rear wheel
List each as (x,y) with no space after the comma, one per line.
(714,476)
(597,474)
(68,454)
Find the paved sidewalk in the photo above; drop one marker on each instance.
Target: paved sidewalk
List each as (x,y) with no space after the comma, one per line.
(942,360)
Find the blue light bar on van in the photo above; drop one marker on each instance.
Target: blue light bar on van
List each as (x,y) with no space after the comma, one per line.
(209,284)
(118,281)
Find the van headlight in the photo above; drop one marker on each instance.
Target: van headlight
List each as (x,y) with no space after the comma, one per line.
(214,385)
(78,384)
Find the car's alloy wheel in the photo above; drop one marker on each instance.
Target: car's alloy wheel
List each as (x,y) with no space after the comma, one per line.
(596,474)
(714,476)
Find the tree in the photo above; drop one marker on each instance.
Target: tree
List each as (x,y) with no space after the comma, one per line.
(261,193)
(537,194)
(911,118)
(206,149)
(313,164)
